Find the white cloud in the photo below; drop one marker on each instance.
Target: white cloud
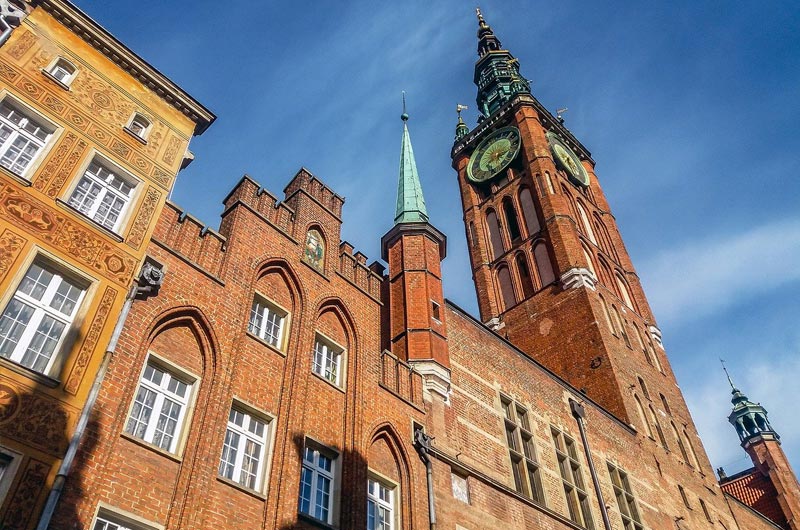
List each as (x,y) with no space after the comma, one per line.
(709,275)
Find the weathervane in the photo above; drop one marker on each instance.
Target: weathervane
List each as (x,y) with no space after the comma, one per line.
(404,116)
(560,114)
(459,108)
(722,361)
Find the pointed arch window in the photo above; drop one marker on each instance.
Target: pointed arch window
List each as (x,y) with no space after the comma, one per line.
(586,225)
(512,223)
(496,240)
(607,314)
(657,425)
(589,260)
(642,345)
(642,417)
(643,387)
(623,290)
(543,264)
(529,211)
(690,446)
(678,440)
(506,287)
(524,275)
(549,183)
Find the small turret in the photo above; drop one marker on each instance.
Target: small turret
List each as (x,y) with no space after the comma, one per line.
(461,128)
(748,418)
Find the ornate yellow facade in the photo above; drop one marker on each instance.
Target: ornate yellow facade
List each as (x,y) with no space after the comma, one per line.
(91,140)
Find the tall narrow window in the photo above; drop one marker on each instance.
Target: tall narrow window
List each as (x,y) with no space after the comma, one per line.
(22,137)
(684,497)
(493,224)
(524,275)
(626,502)
(618,324)
(244,449)
(103,195)
(705,511)
(690,446)
(589,260)
(607,314)
(506,287)
(159,409)
(665,404)
(511,220)
(657,425)
(572,480)
(314,251)
(642,345)
(529,211)
(62,71)
(267,322)
(678,440)
(328,360)
(585,224)
(549,183)
(643,417)
(542,256)
(317,483)
(35,322)
(380,505)
(643,387)
(623,290)
(522,451)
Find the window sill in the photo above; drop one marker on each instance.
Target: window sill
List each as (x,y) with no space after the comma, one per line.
(314,521)
(330,383)
(52,78)
(19,178)
(265,343)
(243,489)
(31,374)
(151,447)
(136,136)
(110,233)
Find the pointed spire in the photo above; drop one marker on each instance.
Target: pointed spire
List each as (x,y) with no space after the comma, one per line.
(487,40)
(730,382)
(748,418)
(461,128)
(410,202)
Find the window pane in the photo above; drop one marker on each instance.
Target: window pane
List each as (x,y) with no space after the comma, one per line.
(43,344)
(13,323)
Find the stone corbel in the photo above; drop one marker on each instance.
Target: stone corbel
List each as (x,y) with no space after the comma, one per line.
(578,277)
(435,379)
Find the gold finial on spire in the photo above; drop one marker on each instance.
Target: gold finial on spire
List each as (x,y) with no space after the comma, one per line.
(480,16)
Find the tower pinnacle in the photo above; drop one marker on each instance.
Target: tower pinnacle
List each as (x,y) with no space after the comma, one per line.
(410,202)
(748,418)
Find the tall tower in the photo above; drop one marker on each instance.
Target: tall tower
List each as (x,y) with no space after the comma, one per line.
(414,250)
(772,476)
(551,271)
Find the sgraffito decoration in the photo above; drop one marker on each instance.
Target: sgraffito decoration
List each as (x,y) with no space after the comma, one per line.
(34,419)
(143,217)
(20,509)
(90,342)
(22,45)
(10,247)
(29,214)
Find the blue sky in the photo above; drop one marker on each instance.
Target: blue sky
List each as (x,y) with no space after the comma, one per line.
(689,109)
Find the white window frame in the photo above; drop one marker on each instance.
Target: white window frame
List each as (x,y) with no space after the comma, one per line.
(12,460)
(104,184)
(42,309)
(112,518)
(17,131)
(162,394)
(328,360)
(60,64)
(311,464)
(268,311)
(375,501)
(244,434)
(142,120)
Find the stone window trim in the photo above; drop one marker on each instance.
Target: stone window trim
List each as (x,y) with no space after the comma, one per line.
(108,517)
(313,475)
(264,331)
(63,275)
(392,504)
(268,439)
(521,443)
(329,361)
(44,137)
(182,429)
(100,175)
(626,499)
(62,71)
(139,127)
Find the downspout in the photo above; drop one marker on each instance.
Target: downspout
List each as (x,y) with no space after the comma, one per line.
(6,30)
(422,442)
(8,11)
(148,282)
(579,413)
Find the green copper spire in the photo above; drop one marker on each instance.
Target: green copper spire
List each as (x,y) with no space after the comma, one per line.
(748,418)
(410,202)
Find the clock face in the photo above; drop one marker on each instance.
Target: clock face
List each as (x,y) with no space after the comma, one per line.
(568,160)
(493,154)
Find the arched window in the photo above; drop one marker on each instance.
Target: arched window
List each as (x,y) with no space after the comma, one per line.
(678,440)
(586,225)
(643,387)
(642,417)
(139,126)
(473,236)
(665,404)
(549,183)
(589,260)
(314,252)
(658,427)
(623,290)
(605,239)
(690,445)
(642,344)
(529,211)
(618,324)
(654,354)
(63,71)
(496,240)
(608,315)
(605,272)
(511,220)
(542,257)
(506,287)
(524,275)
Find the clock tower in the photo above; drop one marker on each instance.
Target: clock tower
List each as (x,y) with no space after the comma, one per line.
(550,269)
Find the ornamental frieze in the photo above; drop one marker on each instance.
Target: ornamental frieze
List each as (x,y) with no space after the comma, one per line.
(33,418)
(10,247)
(20,509)
(143,218)
(52,227)
(90,342)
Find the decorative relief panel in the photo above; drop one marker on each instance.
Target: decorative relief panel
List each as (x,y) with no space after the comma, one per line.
(22,45)
(10,247)
(107,107)
(38,420)
(60,231)
(55,161)
(20,509)
(90,342)
(143,217)
(172,150)
(67,169)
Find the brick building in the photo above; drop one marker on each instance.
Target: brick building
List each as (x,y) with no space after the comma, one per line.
(281,380)
(91,140)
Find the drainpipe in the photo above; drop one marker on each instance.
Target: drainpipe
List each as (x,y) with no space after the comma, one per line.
(6,31)
(580,413)
(8,11)
(422,442)
(147,284)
